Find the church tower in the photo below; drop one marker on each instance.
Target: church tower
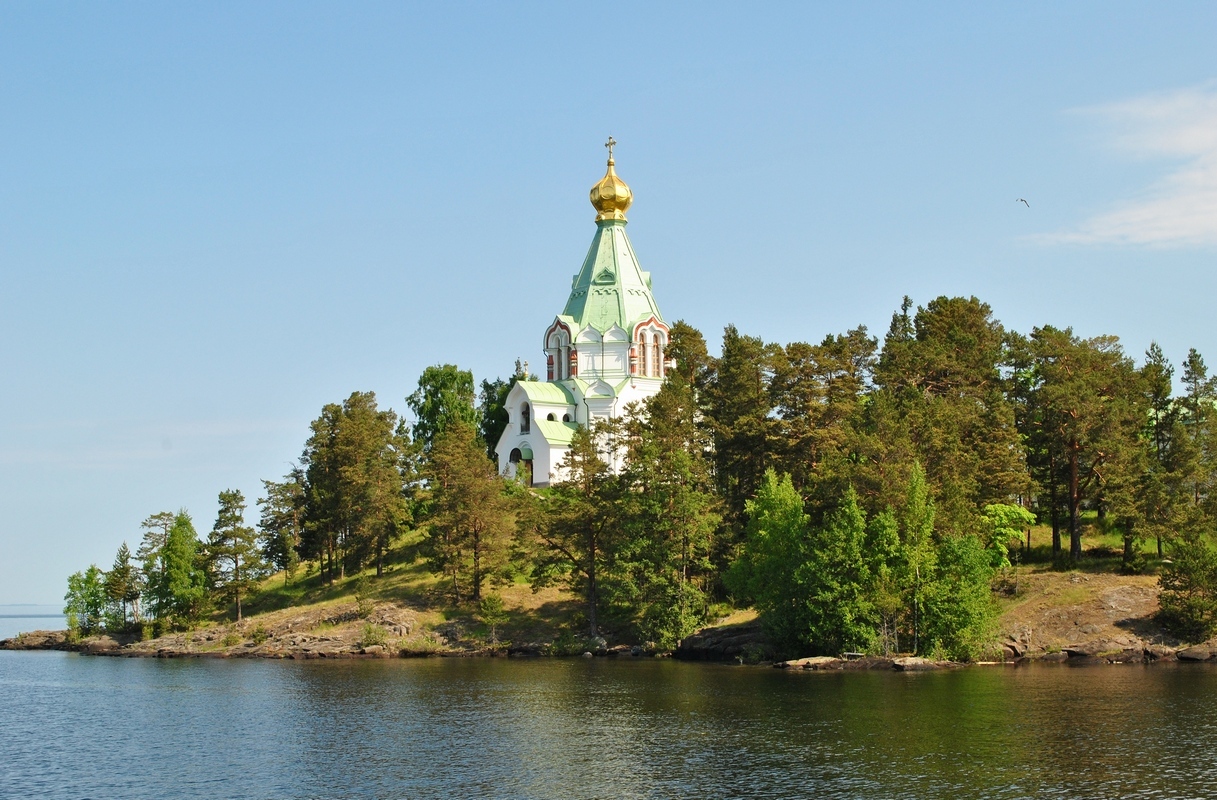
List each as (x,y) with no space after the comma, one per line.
(604,351)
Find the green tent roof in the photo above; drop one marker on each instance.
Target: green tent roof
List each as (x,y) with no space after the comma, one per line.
(546,392)
(611,289)
(557,432)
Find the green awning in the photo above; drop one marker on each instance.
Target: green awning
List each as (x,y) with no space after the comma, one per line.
(526,454)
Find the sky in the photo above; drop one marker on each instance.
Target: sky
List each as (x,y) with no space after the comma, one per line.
(215,218)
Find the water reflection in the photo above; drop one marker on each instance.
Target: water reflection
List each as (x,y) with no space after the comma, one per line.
(75,726)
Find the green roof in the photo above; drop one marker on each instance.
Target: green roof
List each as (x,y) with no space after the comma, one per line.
(554,394)
(611,289)
(556,432)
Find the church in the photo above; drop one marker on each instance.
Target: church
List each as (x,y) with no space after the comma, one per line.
(603,352)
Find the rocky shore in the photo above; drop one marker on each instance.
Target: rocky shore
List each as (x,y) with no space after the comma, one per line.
(1071,618)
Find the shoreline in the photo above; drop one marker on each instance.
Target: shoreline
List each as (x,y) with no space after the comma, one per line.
(1093,653)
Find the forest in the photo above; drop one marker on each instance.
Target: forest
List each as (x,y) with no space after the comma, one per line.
(862,495)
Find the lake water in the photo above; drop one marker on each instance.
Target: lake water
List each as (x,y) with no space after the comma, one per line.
(75,726)
(29,617)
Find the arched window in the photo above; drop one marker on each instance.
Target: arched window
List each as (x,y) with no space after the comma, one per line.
(566,417)
(642,355)
(558,346)
(515,456)
(525,418)
(551,417)
(656,363)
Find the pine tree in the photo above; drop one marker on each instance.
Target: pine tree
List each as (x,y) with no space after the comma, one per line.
(579,532)
(471,520)
(1092,413)
(123,586)
(234,563)
(668,514)
(151,552)
(282,521)
(737,409)
(356,466)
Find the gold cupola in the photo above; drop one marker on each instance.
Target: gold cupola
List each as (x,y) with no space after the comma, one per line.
(611,196)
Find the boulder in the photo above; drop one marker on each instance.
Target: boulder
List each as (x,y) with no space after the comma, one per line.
(745,641)
(1159,652)
(1129,655)
(1199,652)
(812,662)
(915,664)
(98,645)
(1084,650)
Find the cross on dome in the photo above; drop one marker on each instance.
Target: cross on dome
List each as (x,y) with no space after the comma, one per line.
(611,196)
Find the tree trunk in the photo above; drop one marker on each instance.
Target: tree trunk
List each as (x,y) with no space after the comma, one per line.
(1056,504)
(1075,500)
(592,589)
(477,566)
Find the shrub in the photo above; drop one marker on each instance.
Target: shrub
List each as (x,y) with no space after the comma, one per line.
(231,639)
(373,635)
(259,634)
(363,600)
(492,614)
(1189,589)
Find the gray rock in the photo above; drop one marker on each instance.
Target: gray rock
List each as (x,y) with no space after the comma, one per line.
(1159,652)
(1198,653)
(915,664)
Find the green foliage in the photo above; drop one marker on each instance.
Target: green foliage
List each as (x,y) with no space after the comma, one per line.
(1004,522)
(234,563)
(1188,602)
(471,518)
(737,408)
(957,609)
(123,589)
(357,463)
(85,601)
(579,532)
(662,565)
(177,584)
(373,635)
(859,497)
(492,614)
(231,639)
(810,582)
(445,397)
(365,604)
(282,521)
(259,634)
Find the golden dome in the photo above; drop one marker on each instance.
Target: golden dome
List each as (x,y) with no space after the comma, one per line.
(611,196)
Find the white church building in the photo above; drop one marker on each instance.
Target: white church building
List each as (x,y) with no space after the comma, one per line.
(603,352)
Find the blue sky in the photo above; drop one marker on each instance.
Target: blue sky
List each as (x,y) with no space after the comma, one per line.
(216,218)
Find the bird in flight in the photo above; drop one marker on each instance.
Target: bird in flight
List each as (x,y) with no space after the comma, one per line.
(1024,202)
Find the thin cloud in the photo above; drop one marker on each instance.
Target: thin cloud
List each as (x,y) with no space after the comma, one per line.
(1179,209)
